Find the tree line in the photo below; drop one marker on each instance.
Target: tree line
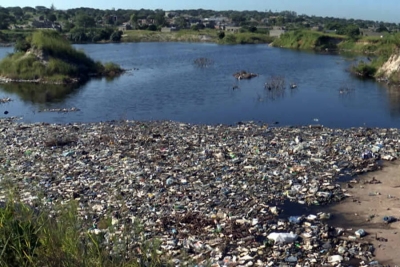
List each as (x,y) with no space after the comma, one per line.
(90,24)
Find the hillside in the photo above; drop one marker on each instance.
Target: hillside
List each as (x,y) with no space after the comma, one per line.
(303,39)
(46,57)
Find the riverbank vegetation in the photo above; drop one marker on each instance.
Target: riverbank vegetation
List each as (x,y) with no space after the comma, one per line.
(306,39)
(88,25)
(82,25)
(206,35)
(47,57)
(377,49)
(54,235)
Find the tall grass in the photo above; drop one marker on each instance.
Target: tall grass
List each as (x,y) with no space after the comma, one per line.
(51,58)
(187,35)
(246,38)
(304,39)
(37,237)
(53,44)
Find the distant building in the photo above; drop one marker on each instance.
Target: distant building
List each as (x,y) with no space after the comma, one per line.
(169,29)
(170,14)
(125,27)
(232,29)
(370,32)
(277,31)
(143,22)
(317,28)
(330,31)
(46,24)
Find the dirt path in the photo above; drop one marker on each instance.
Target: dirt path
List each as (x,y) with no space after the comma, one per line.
(374,196)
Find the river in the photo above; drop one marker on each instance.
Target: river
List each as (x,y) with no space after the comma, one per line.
(163,83)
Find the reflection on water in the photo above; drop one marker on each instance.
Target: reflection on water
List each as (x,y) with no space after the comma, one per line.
(40,93)
(394,100)
(164,84)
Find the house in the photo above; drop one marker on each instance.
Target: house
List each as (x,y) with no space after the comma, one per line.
(169,29)
(277,31)
(232,29)
(46,24)
(317,28)
(330,31)
(370,32)
(143,22)
(125,26)
(170,14)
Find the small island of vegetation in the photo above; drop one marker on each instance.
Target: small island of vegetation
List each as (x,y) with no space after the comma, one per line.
(46,57)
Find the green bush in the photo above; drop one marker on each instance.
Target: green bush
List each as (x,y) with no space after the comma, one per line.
(363,69)
(246,38)
(305,39)
(62,60)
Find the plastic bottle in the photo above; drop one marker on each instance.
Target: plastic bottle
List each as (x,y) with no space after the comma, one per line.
(389,219)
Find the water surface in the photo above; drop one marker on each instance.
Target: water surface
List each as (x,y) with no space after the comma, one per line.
(164,84)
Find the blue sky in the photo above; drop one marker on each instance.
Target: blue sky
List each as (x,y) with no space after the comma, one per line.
(384,10)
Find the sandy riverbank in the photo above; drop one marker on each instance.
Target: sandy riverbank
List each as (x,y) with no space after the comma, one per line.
(374,196)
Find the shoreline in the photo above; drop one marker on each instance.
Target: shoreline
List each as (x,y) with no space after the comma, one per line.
(372,197)
(219,186)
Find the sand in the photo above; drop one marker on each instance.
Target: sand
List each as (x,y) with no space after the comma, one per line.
(374,196)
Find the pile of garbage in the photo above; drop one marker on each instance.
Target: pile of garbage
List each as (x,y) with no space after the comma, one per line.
(208,193)
(5,100)
(60,110)
(244,75)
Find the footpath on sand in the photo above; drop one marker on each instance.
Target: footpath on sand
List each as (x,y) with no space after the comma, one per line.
(374,198)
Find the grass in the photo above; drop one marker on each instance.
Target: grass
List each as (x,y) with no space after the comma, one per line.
(57,237)
(246,38)
(186,35)
(51,58)
(381,47)
(11,36)
(304,39)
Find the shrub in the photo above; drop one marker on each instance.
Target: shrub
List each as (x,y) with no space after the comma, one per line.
(63,61)
(364,70)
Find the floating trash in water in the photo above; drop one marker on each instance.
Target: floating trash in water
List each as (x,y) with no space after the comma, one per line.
(5,100)
(60,110)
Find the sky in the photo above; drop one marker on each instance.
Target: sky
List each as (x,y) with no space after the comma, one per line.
(384,10)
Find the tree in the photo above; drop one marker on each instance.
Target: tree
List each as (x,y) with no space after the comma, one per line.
(221,35)
(159,19)
(133,20)
(85,21)
(152,27)
(252,29)
(22,45)
(17,11)
(238,18)
(116,36)
(68,26)
(52,17)
(180,22)
(5,20)
(352,30)
(381,28)
(40,8)
(280,20)
(29,9)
